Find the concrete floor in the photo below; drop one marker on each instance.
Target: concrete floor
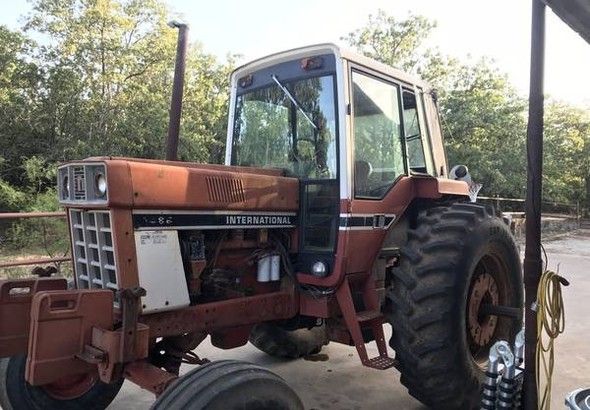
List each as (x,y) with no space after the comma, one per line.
(342,383)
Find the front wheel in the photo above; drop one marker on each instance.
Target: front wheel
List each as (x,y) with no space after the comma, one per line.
(229,385)
(69,393)
(457,260)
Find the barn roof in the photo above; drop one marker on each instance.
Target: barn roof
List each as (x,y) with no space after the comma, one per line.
(575,13)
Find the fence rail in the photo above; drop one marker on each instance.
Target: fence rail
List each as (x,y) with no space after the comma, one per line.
(547,207)
(37,261)
(23,215)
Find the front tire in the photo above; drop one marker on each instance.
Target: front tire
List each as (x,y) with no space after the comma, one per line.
(71,393)
(456,260)
(229,385)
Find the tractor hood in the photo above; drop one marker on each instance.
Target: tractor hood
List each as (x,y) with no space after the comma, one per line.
(152,184)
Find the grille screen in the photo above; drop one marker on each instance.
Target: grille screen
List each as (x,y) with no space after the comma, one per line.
(79,183)
(94,253)
(222,189)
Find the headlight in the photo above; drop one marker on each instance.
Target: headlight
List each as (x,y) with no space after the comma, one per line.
(82,182)
(319,269)
(101,184)
(65,187)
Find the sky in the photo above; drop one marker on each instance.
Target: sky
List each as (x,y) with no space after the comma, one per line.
(498,29)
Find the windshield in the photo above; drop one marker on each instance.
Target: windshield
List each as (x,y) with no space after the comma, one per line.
(289,125)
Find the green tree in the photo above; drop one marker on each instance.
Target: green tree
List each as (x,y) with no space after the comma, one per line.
(99,84)
(396,42)
(109,76)
(106,57)
(205,107)
(566,173)
(19,79)
(484,127)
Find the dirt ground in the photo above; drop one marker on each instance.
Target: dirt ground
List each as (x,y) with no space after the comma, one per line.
(340,382)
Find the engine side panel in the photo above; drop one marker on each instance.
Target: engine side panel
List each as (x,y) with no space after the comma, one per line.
(178,187)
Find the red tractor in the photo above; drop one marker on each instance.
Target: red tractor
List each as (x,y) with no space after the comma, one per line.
(332,216)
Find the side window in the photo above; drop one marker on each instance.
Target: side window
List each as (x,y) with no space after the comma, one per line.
(378,150)
(417,148)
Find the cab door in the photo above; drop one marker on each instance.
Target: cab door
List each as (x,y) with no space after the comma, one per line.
(381,188)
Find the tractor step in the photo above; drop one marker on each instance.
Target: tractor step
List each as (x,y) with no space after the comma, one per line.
(380,363)
(371,318)
(367,316)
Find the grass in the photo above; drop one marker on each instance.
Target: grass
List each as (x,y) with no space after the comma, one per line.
(22,240)
(63,268)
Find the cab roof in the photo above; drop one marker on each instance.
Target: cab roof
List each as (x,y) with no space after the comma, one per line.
(327,48)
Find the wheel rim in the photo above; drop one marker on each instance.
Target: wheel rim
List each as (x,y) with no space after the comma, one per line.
(489,285)
(70,387)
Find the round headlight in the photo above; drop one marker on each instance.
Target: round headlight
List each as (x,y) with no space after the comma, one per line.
(65,187)
(319,269)
(101,185)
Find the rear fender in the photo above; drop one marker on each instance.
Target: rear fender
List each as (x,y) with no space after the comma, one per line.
(15,310)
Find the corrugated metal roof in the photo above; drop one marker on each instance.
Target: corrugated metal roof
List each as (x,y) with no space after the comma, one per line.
(575,13)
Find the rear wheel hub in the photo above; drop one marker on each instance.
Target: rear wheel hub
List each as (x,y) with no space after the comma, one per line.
(484,291)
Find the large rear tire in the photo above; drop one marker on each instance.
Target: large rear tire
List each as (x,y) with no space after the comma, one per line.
(456,260)
(71,393)
(291,344)
(229,385)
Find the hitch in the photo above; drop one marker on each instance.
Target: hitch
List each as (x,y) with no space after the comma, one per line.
(130,299)
(112,349)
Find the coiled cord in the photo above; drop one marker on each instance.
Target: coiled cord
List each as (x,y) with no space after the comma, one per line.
(550,324)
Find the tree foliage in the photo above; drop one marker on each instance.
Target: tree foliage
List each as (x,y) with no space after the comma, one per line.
(99,83)
(566,174)
(396,42)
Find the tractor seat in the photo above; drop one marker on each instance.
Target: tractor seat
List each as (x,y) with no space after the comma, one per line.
(362,170)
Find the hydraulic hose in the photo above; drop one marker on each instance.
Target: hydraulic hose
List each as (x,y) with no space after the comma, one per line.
(550,324)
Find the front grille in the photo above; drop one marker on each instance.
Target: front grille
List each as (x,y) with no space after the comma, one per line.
(94,252)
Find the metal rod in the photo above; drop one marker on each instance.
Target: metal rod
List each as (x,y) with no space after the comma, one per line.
(177,89)
(19,215)
(28,262)
(532,260)
(496,310)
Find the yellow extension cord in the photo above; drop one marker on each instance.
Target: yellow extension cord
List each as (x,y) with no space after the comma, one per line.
(550,324)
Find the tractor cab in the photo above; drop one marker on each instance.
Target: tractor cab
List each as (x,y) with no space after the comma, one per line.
(347,127)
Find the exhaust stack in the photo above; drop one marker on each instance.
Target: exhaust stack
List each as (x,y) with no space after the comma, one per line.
(177,90)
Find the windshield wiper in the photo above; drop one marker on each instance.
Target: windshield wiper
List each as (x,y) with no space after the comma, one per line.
(294,101)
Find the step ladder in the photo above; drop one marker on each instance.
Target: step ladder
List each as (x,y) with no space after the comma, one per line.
(370,318)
